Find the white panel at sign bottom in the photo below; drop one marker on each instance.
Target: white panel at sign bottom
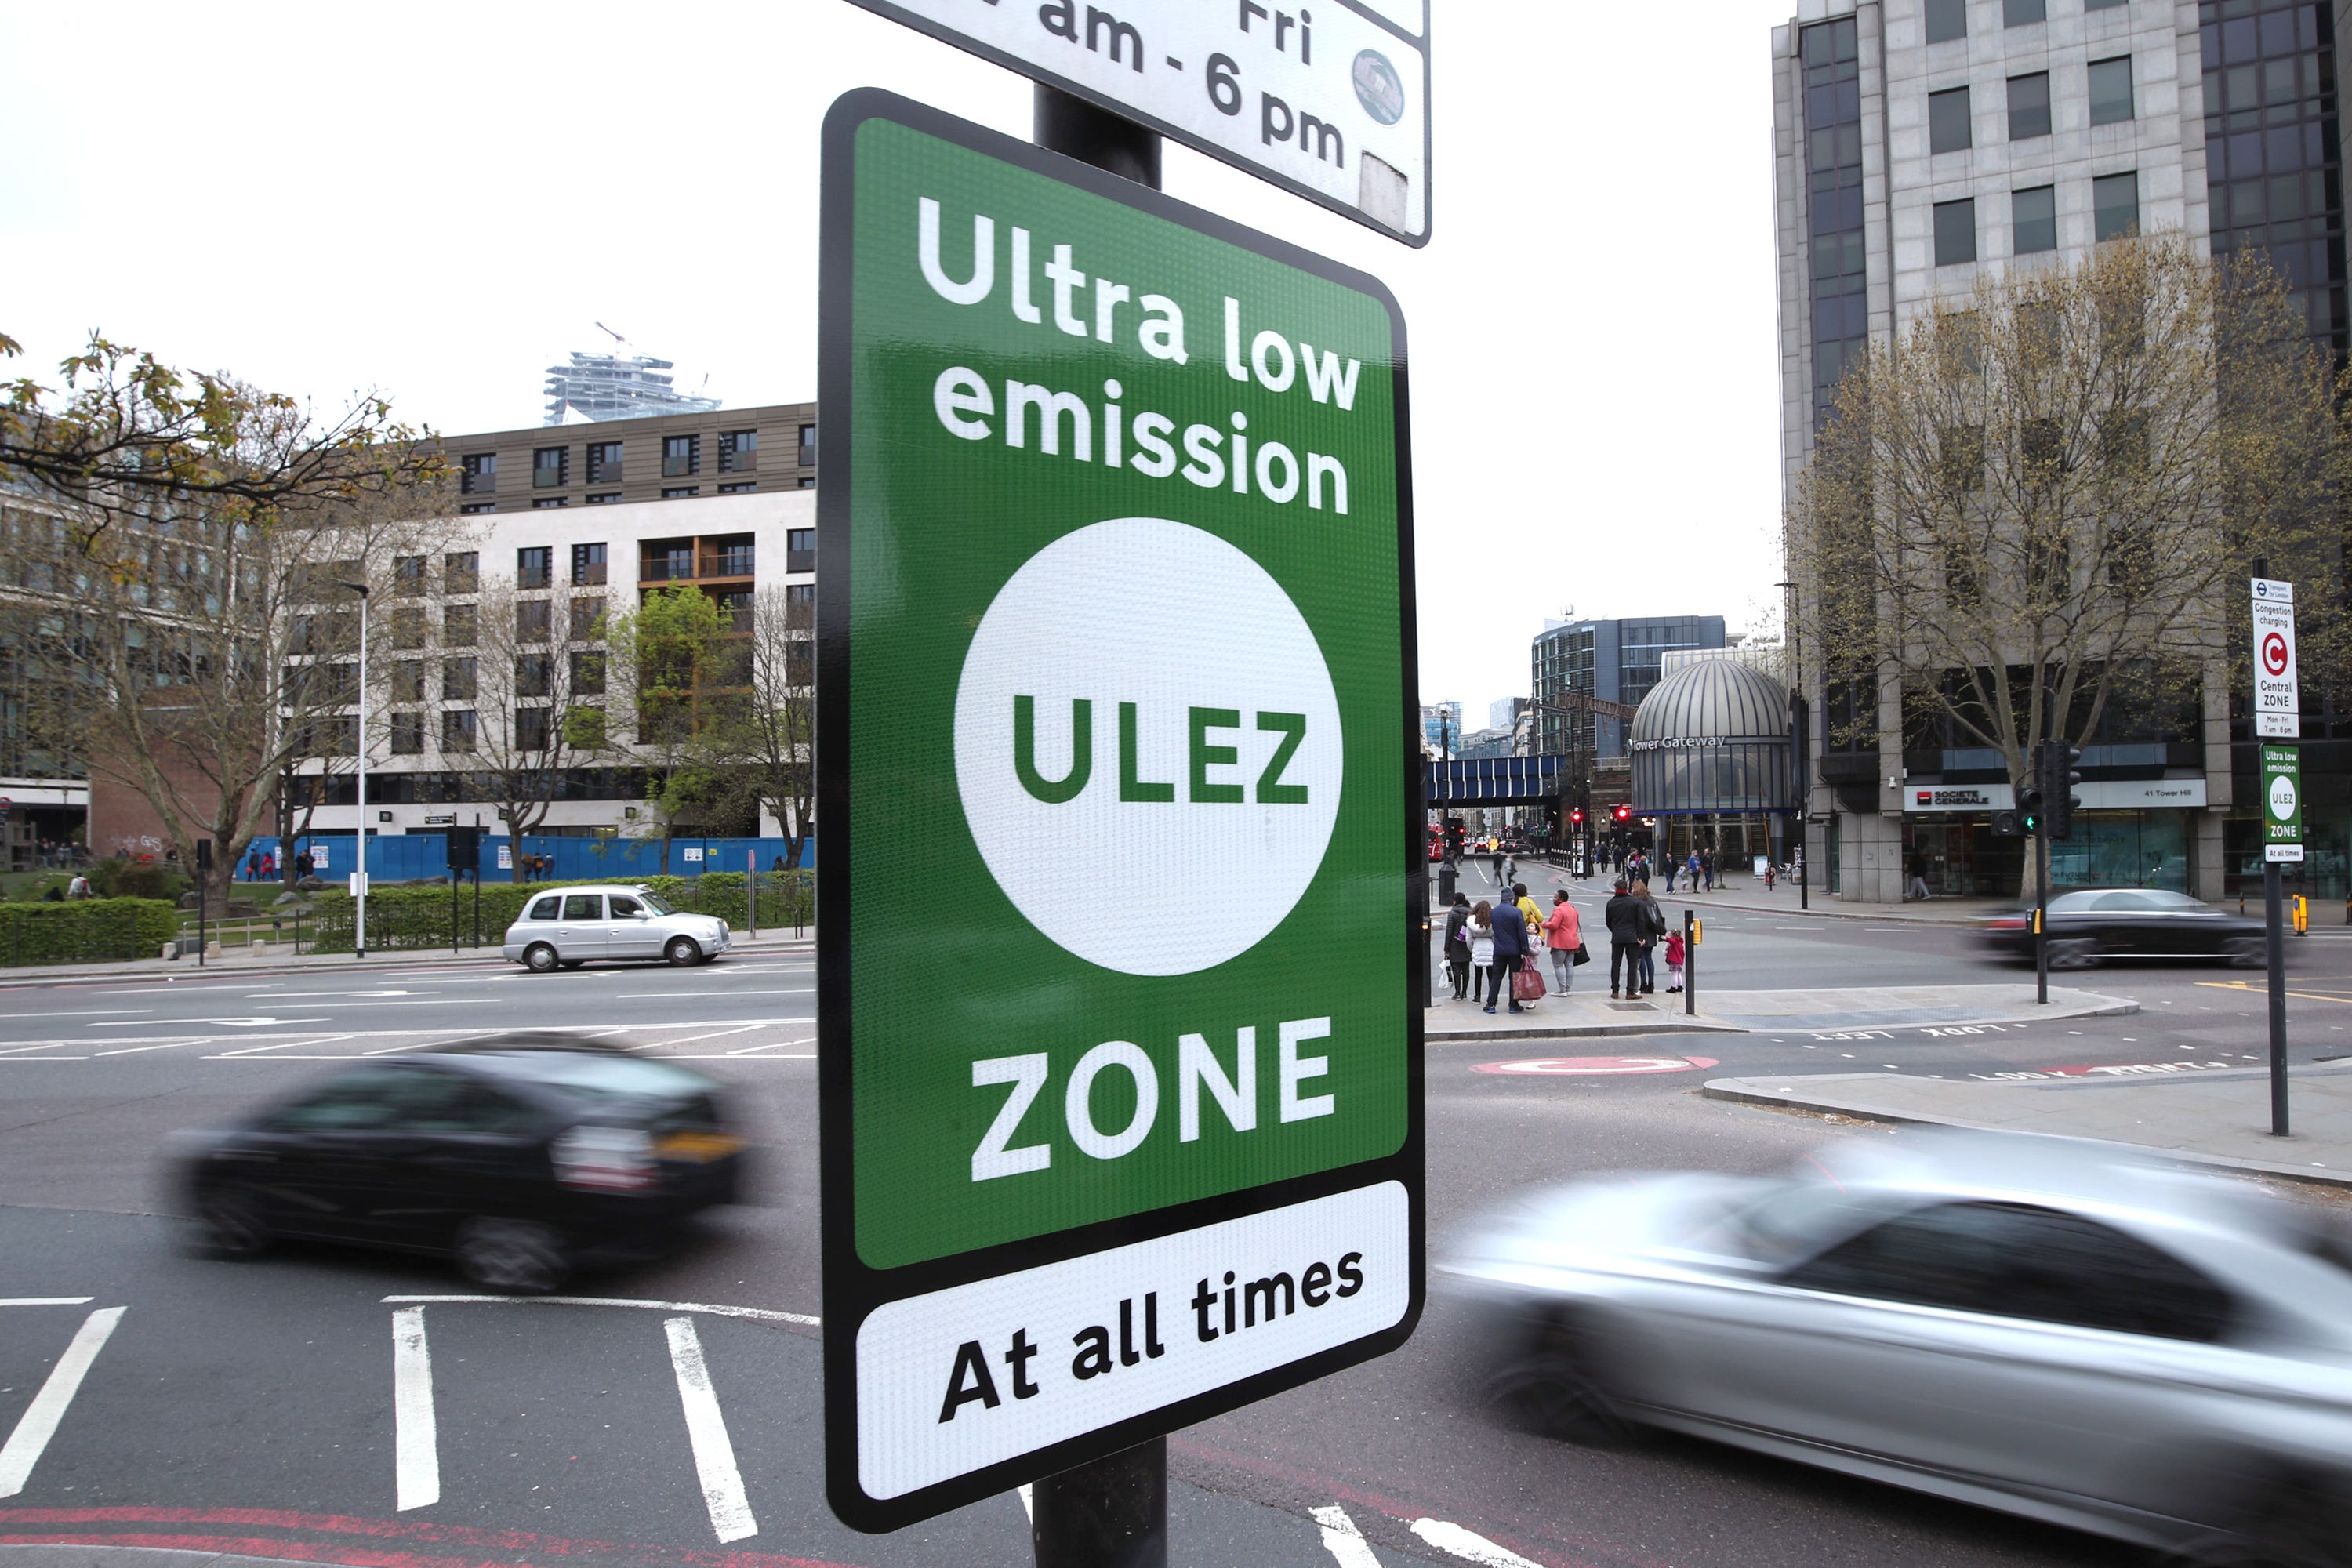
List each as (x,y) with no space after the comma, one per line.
(1095,1340)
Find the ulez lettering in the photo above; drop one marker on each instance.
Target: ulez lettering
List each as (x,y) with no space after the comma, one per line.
(1219,1311)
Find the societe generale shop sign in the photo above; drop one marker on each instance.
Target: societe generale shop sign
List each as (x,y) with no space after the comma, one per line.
(1120,1073)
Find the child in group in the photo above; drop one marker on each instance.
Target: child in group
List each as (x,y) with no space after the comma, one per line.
(1673,962)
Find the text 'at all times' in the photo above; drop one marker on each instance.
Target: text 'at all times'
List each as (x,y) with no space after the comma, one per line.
(1146,442)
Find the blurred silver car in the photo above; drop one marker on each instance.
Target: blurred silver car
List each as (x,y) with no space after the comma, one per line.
(567,927)
(2043,1326)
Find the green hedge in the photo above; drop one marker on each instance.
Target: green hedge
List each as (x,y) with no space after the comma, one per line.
(417,915)
(85,928)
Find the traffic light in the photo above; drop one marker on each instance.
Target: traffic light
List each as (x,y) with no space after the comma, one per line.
(2056,775)
(1576,816)
(2007,825)
(1623,815)
(2029,809)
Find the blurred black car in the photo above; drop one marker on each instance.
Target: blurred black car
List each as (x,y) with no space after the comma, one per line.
(2099,924)
(520,1157)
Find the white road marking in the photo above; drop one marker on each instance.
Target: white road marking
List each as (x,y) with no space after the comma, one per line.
(422,1045)
(285,995)
(47,1300)
(11,1061)
(758,1314)
(1468,1545)
(287,1046)
(45,1045)
(1342,1540)
(417,1450)
(39,1422)
(231,1023)
(710,1034)
(134,1050)
(753,1050)
(91,1012)
(706,1431)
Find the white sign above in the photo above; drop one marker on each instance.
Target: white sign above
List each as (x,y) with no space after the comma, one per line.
(1330,100)
(2278,699)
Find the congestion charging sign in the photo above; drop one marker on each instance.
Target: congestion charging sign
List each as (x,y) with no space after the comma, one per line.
(1119,1069)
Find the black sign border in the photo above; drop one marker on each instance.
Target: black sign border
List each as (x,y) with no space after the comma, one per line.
(1174,133)
(852,1289)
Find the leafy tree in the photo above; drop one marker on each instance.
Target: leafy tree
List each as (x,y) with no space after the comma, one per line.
(674,662)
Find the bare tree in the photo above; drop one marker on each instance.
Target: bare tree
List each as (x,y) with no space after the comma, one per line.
(541,691)
(773,729)
(192,623)
(2039,501)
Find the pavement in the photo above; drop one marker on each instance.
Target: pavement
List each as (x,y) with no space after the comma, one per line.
(278,958)
(2210,1112)
(1591,1011)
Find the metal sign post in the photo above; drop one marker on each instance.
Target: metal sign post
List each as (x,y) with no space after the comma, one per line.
(1155,1160)
(1330,103)
(2278,713)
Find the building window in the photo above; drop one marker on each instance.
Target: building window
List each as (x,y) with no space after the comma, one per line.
(476,508)
(808,446)
(800,598)
(532,619)
(408,575)
(1956,232)
(551,468)
(681,456)
(728,557)
(739,451)
(799,550)
(478,473)
(1946,20)
(1948,121)
(2033,217)
(534,674)
(460,625)
(738,490)
(665,559)
(586,611)
(2115,205)
(587,673)
(458,729)
(1832,106)
(2029,106)
(530,729)
(408,626)
(458,682)
(2103,5)
(680,492)
(548,503)
(461,571)
(2019,13)
(407,734)
(534,565)
(2111,90)
(808,481)
(604,497)
(408,681)
(587,565)
(604,462)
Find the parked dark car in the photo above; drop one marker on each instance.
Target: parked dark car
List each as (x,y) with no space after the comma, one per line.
(2099,924)
(519,1156)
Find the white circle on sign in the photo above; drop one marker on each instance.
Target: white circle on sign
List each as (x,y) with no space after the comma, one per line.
(2283,798)
(1172,839)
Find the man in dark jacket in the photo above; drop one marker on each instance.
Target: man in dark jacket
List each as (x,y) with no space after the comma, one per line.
(1628,924)
(1510,950)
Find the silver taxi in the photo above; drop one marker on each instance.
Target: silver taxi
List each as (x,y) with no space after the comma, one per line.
(564,928)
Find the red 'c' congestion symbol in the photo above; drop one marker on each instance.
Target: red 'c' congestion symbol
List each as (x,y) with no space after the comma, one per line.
(2275,654)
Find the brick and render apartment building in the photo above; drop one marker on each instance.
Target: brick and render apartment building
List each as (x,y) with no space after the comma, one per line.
(558,526)
(1920,142)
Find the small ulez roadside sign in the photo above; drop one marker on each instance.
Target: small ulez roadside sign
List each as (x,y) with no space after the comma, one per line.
(1330,100)
(1120,1078)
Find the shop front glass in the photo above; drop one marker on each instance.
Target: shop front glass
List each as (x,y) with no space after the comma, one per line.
(2125,850)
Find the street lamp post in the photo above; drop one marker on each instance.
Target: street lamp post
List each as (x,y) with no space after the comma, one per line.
(1799,743)
(359,828)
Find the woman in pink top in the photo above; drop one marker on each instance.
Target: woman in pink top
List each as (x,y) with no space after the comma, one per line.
(1564,934)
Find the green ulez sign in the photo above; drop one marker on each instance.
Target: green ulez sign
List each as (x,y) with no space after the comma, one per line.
(1119,1069)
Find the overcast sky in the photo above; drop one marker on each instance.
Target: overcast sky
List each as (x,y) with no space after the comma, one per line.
(280,191)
